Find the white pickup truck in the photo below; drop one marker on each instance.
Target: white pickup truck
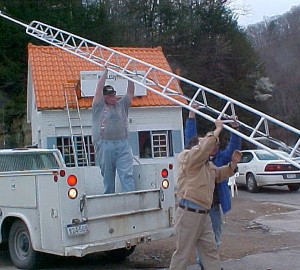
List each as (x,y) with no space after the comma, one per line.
(46,207)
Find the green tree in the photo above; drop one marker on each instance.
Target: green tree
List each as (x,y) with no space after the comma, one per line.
(199,37)
(13,56)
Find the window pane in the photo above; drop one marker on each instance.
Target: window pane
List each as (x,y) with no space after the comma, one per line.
(160,144)
(170,144)
(145,147)
(155,144)
(64,144)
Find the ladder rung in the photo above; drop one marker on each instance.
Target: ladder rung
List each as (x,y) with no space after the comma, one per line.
(80,144)
(77,135)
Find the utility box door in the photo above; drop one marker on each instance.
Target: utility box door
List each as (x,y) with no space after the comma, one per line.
(18,190)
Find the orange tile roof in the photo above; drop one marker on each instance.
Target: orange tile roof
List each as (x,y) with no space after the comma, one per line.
(52,67)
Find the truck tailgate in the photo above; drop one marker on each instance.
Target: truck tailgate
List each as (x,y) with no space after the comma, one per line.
(115,215)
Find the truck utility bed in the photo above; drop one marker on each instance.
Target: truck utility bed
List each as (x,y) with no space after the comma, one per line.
(62,210)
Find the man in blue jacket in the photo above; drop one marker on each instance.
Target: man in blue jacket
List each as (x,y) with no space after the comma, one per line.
(222,198)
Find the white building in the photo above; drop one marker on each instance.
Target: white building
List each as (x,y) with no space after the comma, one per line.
(155,123)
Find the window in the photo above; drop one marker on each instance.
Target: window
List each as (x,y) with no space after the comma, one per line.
(154,144)
(28,161)
(246,157)
(269,156)
(64,144)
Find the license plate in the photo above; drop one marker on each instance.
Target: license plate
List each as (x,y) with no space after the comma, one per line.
(77,229)
(291,176)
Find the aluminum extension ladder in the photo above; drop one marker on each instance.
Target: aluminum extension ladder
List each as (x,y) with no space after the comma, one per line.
(264,132)
(79,152)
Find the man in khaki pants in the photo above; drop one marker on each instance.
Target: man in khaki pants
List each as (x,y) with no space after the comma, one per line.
(196,182)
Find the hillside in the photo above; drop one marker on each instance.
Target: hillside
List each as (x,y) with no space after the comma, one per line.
(277,42)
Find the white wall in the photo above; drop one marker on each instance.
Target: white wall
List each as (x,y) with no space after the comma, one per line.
(151,118)
(55,123)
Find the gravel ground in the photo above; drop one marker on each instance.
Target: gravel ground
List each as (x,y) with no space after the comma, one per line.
(241,236)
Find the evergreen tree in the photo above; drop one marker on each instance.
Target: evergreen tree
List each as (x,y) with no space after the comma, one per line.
(199,37)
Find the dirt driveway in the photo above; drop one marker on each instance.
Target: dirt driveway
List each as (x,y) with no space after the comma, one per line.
(241,236)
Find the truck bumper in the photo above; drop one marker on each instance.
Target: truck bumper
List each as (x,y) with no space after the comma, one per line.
(116,243)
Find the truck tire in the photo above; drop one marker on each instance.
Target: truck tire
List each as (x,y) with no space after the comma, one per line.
(120,254)
(20,248)
(293,187)
(4,246)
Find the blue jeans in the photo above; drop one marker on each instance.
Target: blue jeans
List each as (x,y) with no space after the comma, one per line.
(216,220)
(112,156)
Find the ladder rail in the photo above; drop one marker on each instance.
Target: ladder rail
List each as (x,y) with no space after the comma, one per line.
(70,125)
(104,56)
(71,98)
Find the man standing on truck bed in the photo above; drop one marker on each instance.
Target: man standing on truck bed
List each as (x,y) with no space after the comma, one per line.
(110,135)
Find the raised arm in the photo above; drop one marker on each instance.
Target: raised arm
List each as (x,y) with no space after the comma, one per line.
(99,89)
(130,89)
(219,127)
(228,170)
(200,153)
(224,156)
(235,159)
(190,129)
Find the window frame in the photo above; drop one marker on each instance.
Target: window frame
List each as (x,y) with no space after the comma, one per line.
(64,145)
(160,143)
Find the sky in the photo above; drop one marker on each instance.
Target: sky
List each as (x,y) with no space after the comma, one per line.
(257,10)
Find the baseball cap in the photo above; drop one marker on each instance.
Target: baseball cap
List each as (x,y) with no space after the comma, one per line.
(108,89)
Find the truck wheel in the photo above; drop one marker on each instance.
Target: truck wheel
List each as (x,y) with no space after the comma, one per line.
(20,249)
(3,246)
(120,254)
(293,187)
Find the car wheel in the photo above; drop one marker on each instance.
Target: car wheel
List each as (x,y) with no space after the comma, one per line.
(251,183)
(20,249)
(293,187)
(120,254)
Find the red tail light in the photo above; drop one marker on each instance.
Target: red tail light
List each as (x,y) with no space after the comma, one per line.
(72,180)
(280,167)
(164,173)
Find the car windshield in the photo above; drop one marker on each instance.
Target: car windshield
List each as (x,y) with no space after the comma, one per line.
(269,156)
